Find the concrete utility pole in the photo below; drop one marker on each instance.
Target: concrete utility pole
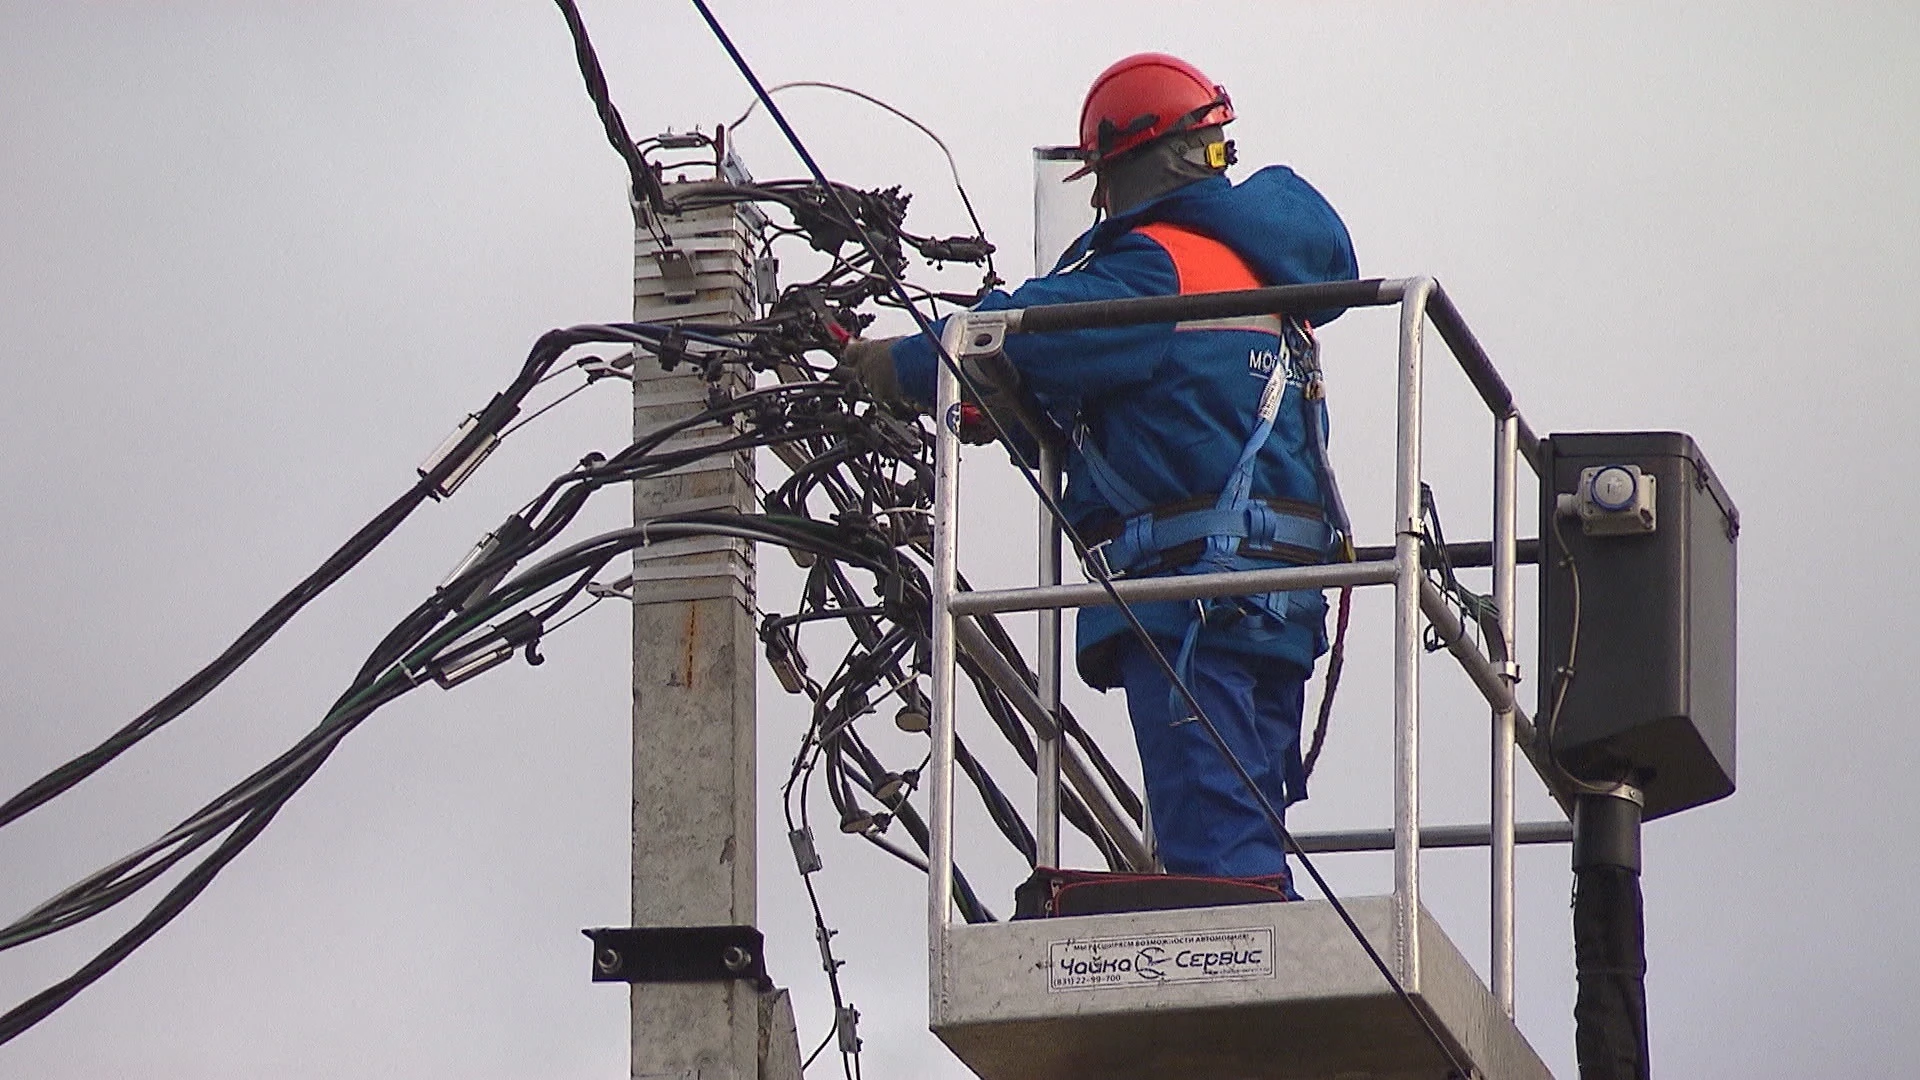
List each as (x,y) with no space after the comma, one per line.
(693,683)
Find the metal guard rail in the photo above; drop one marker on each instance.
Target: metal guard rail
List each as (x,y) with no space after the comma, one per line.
(1420,300)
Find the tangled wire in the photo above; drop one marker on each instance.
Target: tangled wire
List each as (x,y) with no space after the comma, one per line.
(853,508)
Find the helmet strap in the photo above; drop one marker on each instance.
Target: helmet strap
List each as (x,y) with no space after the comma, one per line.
(1161,166)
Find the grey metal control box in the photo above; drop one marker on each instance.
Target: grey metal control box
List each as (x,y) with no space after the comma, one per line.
(1644,685)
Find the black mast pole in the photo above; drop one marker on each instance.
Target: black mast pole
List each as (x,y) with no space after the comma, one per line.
(1609,937)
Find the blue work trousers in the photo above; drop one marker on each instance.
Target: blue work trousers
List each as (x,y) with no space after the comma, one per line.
(1205,821)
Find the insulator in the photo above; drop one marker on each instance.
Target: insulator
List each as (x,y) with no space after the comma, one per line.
(912,719)
(891,787)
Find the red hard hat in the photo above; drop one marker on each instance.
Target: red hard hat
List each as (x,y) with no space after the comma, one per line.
(1143,97)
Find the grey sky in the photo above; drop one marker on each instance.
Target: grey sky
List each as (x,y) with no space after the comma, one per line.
(257,259)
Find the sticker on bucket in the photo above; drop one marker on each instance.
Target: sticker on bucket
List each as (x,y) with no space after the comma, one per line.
(1159,959)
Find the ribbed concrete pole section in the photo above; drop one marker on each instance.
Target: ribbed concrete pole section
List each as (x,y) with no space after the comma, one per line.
(693,683)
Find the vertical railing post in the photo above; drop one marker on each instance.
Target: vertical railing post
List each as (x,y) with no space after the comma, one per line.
(1058,217)
(946,498)
(1406,636)
(1046,806)
(1506,455)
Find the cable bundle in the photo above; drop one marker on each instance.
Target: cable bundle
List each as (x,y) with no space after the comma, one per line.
(854,507)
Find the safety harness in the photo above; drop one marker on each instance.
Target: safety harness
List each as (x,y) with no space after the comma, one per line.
(1238,532)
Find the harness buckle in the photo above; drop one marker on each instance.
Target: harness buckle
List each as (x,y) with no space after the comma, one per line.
(1343,546)
(1203,612)
(1095,565)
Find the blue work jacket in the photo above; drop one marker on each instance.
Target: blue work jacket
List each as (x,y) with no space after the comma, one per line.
(1170,407)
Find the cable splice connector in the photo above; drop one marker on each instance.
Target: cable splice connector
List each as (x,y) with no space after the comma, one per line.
(452,481)
(512,533)
(460,671)
(520,630)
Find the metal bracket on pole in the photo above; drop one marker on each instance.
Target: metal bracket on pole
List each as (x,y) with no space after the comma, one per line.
(676,275)
(664,954)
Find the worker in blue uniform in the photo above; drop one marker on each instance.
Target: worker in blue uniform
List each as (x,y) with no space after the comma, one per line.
(1195,447)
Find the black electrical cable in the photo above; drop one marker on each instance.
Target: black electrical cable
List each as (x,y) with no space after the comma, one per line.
(1001,712)
(195,832)
(1123,791)
(113,883)
(43,1004)
(397,665)
(964,896)
(247,808)
(819,735)
(823,934)
(1192,704)
(1000,810)
(474,593)
(646,186)
(831,1032)
(485,426)
(952,168)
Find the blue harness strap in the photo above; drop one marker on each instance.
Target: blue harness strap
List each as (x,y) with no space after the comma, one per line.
(1236,521)
(1223,548)
(1144,538)
(1120,495)
(1313,409)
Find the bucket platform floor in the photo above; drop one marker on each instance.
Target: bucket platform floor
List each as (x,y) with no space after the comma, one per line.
(1252,992)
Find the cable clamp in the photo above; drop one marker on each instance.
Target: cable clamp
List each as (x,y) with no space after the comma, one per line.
(611,590)
(489,543)
(823,936)
(679,281)
(846,1026)
(805,855)
(1617,790)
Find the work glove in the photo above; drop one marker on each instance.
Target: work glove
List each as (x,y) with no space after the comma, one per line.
(869,363)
